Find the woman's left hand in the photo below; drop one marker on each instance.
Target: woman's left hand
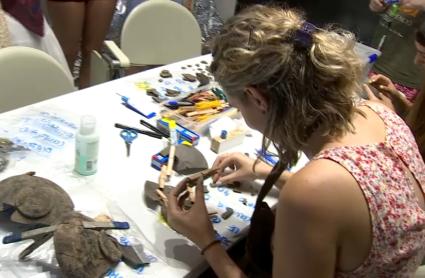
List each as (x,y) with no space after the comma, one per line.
(193,223)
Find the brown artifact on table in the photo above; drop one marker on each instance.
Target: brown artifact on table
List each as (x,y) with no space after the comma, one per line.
(3,162)
(152,92)
(203,79)
(84,252)
(151,193)
(35,200)
(154,193)
(189,77)
(171,93)
(187,160)
(82,247)
(165,74)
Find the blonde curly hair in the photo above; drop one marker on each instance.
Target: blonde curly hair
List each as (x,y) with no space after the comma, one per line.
(307,86)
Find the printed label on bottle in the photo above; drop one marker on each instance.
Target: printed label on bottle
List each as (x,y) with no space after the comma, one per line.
(86,158)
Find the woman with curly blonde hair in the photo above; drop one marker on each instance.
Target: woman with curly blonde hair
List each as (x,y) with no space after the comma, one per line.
(357,208)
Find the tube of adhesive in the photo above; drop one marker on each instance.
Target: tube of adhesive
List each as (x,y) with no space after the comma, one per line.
(173,143)
(86,147)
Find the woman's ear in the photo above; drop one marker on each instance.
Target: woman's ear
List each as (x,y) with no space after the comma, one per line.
(257,99)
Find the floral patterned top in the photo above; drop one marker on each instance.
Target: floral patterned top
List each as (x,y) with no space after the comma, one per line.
(398,223)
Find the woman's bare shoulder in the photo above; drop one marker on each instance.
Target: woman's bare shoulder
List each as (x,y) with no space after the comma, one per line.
(322,186)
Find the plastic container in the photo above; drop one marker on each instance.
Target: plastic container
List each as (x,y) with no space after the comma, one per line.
(368,55)
(86,147)
(199,126)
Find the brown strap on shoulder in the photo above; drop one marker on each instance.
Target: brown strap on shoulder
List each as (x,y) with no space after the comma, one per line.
(269,182)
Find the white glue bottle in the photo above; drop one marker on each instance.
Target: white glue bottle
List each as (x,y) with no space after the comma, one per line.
(86,146)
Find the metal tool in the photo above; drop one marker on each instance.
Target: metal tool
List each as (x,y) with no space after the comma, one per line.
(128,135)
(16,237)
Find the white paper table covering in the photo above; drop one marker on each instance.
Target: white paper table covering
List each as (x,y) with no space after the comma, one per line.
(121,179)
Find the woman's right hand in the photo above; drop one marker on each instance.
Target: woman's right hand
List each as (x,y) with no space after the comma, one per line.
(389,95)
(377,6)
(241,168)
(381,82)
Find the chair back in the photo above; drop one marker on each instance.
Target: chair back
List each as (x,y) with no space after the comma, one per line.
(29,75)
(159,32)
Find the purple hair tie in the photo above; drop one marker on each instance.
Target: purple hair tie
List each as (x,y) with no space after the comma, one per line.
(303,36)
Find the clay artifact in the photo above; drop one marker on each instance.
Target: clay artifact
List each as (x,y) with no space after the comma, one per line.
(165,74)
(151,193)
(229,211)
(187,160)
(171,93)
(7,146)
(203,79)
(82,247)
(35,200)
(152,92)
(3,163)
(189,77)
(86,253)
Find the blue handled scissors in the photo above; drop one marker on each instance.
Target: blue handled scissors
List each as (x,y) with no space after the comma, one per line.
(128,135)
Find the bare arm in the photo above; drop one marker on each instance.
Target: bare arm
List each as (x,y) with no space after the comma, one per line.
(305,241)
(221,263)
(415,4)
(196,225)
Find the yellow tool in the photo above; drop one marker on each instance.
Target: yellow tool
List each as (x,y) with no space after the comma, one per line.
(173,141)
(208,104)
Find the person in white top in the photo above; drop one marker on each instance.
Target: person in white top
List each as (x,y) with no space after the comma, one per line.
(14,33)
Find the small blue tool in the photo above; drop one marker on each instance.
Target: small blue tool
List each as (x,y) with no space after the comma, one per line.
(128,135)
(267,157)
(174,104)
(390,2)
(125,102)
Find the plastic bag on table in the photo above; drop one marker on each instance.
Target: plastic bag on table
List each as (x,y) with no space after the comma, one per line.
(36,134)
(40,131)
(41,260)
(132,237)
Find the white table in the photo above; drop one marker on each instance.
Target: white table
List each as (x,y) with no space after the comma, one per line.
(118,185)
